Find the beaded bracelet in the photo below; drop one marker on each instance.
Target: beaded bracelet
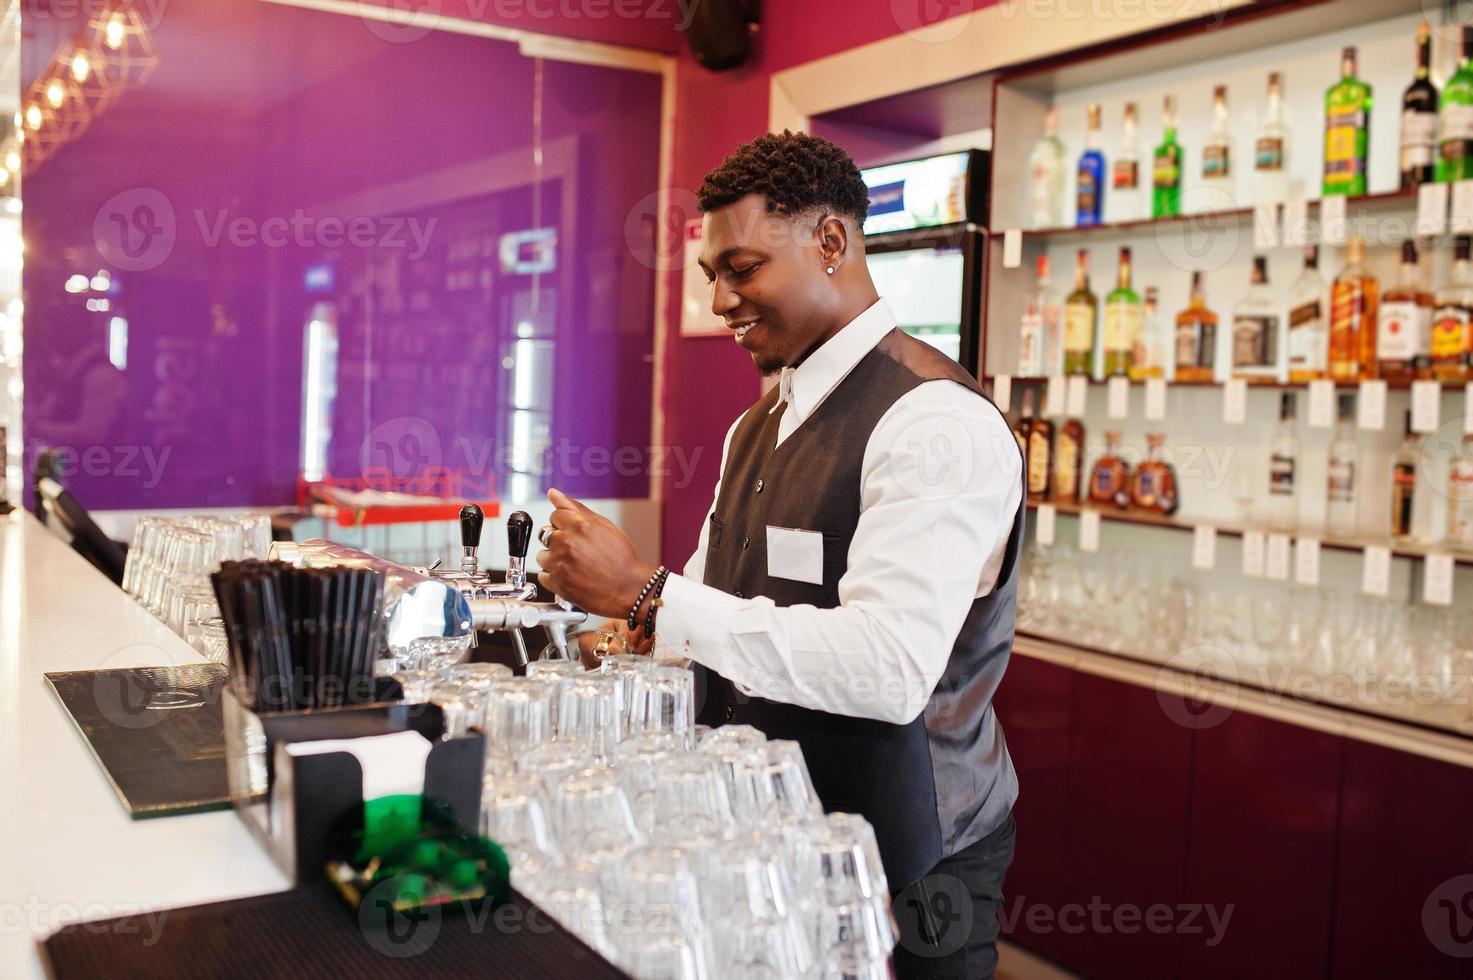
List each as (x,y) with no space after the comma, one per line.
(633,618)
(655,603)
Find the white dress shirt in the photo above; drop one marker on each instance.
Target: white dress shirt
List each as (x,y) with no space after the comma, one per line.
(941,484)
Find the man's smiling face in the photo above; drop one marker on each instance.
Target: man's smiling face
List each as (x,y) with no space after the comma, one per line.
(767,280)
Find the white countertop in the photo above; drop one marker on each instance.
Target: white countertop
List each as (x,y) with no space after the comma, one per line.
(68,850)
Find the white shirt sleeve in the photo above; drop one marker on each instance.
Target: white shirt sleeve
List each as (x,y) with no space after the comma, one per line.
(941,484)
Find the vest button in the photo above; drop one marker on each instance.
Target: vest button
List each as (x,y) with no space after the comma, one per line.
(738,595)
(729,713)
(759,486)
(745,543)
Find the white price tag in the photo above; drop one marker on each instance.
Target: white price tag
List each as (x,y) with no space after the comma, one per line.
(1322,404)
(1235,402)
(1375,576)
(1276,564)
(1332,220)
(1432,209)
(1002,391)
(1053,396)
(1462,220)
(1253,553)
(1012,248)
(1426,405)
(1089,530)
(1048,520)
(1370,406)
(1078,392)
(1296,224)
(1307,561)
(1204,546)
(1468,408)
(1155,399)
(1266,226)
(1117,401)
(1437,580)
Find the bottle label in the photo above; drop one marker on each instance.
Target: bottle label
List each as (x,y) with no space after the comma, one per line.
(1343,129)
(1122,325)
(1281,475)
(1402,332)
(1186,344)
(1030,346)
(1403,491)
(1450,333)
(1087,197)
(1038,461)
(1460,510)
(1457,124)
(1308,339)
(1268,153)
(1340,482)
(1079,327)
(1253,340)
(1146,490)
(1418,134)
(1066,466)
(1109,479)
(1215,162)
(1125,175)
(1166,170)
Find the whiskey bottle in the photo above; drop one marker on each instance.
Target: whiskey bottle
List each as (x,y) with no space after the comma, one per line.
(1419,118)
(1080,311)
(1256,328)
(1196,337)
(1124,200)
(1148,355)
(1452,320)
(1404,470)
(1122,321)
(1354,302)
(1024,424)
(1309,329)
(1090,175)
(1109,480)
(1347,131)
(1166,167)
(1283,469)
(1217,157)
(1271,151)
(1404,325)
(1068,461)
(1153,485)
(1341,472)
(1040,459)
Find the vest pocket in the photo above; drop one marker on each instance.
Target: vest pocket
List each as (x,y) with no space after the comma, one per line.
(713,538)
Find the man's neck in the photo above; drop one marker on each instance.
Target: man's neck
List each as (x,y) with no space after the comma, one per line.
(863,301)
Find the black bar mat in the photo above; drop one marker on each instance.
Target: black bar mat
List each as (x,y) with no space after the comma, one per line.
(157,733)
(310,932)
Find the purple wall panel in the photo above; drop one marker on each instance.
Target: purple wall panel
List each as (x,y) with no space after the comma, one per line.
(267,135)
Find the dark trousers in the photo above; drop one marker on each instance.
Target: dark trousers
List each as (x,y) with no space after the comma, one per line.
(948,919)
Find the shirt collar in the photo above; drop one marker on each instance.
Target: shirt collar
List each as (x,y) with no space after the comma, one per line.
(804,387)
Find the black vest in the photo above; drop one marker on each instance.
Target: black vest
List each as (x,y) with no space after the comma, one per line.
(943,781)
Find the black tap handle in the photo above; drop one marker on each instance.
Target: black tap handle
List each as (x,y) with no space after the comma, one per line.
(471,519)
(518,533)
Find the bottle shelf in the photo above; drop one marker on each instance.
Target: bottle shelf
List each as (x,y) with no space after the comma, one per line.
(1398,549)
(1367,205)
(1447,386)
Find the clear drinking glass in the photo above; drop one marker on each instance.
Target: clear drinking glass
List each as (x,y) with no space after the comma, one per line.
(518,714)
(514,815)
(588,712)
(746,886)
(662,699)
(652,896)
(569,894)
(592,816)
(639,761)
(464,706)
(554,762)
(690,797)
(481,673)
(773,786)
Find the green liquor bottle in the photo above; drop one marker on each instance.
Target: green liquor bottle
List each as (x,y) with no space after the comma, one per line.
(1347,131)
(1455,147)
(1123,318)
(1166,168)
(1079,321)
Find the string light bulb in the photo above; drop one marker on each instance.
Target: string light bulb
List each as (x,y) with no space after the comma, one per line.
(81,66)
(34,117)
(12,161)
(55,94)
(115,31)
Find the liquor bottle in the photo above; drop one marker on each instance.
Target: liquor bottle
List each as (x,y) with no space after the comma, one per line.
(1080,310)
(1354,300)
(1309,328)
(1217,157)
(1452,320)
(1046,168)
(1024,424)
(1404,469)
(1347,131)
(1148,355)
(1196,338)
(1166,167)
(1068,461)
(1040,344)
(1283,467)
(1340,474)
(1153,485)
(1090,177)
(1040,459)
(1455,143)
(1460,498)
(1124,200)
(1271,151)
(1419,118)
(1122,320)
(1404,325)
(1109,480)
(1256,328)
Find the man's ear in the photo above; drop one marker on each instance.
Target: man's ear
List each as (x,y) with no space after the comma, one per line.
(833,240)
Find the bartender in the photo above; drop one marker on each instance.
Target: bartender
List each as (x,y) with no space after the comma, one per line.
(854,585)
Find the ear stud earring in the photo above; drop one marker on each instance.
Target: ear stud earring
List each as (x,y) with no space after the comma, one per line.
(830,270)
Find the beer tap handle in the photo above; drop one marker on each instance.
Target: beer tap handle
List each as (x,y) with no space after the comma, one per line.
(471,520)
(518,540)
